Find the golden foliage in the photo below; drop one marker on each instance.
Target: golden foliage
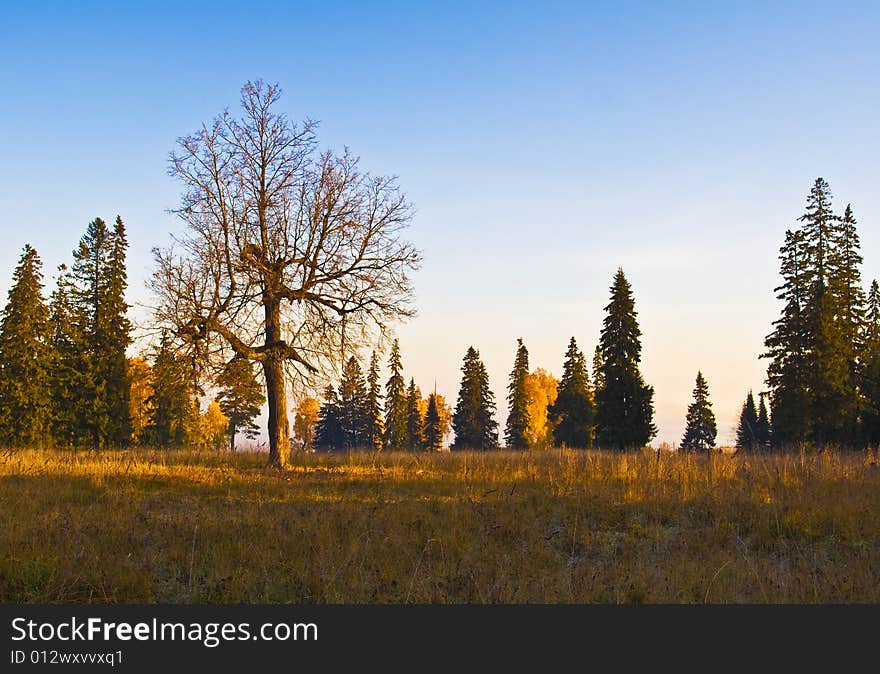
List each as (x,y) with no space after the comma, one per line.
(211,428)
(140,377)
(304,423)
(541,391)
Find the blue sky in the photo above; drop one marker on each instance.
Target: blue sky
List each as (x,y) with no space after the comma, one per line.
(543,145)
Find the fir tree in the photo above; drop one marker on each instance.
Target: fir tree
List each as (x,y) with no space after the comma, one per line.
(173,410)
(414,422)
(598,382)
(395,402)
(25,357)
(763,435)
(572,412)
(433,426)
(701,430)
(788,347)
(99,279)
(747,429)
(375,425)
(328,430)
(68,379)
(870,369)
(352,405)
(625,407)
(473,421)
(240,398)
(516,430)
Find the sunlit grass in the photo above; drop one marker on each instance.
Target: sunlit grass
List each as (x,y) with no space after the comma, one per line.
(555,526)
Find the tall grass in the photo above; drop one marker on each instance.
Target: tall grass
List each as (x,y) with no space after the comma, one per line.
(555,526)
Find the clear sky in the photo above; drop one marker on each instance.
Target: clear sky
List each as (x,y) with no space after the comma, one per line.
(543,145)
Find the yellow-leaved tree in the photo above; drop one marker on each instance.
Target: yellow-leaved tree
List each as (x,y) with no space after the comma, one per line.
(541,391)
(304,423)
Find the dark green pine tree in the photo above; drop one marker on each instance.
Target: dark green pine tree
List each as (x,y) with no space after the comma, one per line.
(99,277)
(472,420)
(700,430)
(788,347)
(328,430)
(598,382)
(172,406)
(69,379)
(870,369)
(375,425)
(240,398)
(573,412)
(414,424)
(625,404)
(433,426)
(25,358)
(747,429)
(395,403)
(516,430)
(763,437)
(352,405)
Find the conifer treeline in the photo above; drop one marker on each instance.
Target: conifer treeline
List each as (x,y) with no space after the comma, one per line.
(823,351)
(65,377)
(616,408)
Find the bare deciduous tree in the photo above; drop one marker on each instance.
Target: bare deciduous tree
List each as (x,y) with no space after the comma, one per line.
(290,256)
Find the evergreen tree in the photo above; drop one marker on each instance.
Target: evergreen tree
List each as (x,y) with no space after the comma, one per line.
(240,398)
(395,403)
(788,347)
(747,429)
(328,431)
(68,378)
(516,430)
(375,425)
(473,421)
(701,430)
(352,405)
(598,382)
(870,369)
(572,412)
(414,422)
(173,410)
(25,357)
(433,426)
(625,406)
(100,281)
(763,435)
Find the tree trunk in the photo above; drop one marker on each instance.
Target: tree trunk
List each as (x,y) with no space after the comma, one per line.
(232,438)
(276,391)
(279,428)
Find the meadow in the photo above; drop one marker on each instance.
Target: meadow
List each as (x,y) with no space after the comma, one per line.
(493,527)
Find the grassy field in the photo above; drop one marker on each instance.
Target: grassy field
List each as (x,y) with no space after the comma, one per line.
(556,526)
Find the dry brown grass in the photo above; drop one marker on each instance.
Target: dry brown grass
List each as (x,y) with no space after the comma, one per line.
(558,526)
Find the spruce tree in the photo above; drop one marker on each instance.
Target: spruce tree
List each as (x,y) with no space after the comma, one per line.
(240,398)
(516,429)
(763,435)
(747,429)
(472,420)
(788,347)
(375,424)
(414,422)
(173,409)
(25,358)
(625,406)
(701,430)
(352,405)
(328,430)
(395,402)
(598,382)
(572,413)
(68,378)
(870,369)
(433,426)
(100,281)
